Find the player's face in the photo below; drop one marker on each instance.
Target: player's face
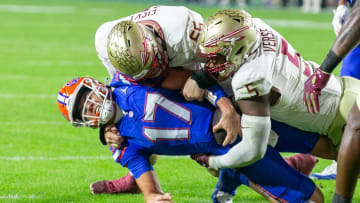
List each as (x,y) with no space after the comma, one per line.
(216,63)
(90,105)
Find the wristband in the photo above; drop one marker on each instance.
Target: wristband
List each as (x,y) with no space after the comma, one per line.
(339,199)
(330,62)
(203,80)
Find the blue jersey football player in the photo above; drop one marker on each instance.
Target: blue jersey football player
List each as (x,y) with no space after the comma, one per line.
(158,121)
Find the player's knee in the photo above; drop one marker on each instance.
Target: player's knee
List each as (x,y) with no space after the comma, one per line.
(325,149)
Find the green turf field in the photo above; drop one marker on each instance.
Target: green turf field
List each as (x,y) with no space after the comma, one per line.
(45,44)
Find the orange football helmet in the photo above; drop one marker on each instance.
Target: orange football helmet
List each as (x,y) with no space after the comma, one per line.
(69,97)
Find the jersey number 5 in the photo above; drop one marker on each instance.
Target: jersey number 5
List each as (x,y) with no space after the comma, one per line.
(180,113)
(195,33)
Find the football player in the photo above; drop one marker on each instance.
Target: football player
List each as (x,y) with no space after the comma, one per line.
(264,72)
(162,122)
(349,152)
(150,48)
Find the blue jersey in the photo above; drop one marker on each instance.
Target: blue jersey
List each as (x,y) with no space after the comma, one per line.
(159,121)
(164,122)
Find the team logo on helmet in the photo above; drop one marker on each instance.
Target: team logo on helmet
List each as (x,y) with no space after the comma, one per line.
(229,33)
(135,51)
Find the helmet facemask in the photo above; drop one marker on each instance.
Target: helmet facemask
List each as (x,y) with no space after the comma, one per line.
(229,33)
(104,108)
(77,94)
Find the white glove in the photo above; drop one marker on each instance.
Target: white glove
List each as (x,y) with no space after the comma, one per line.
(340,15)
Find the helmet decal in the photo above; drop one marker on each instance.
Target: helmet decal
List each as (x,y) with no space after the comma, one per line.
(212,42)
(72,82)
(62,98)
(135,49)
(230,34)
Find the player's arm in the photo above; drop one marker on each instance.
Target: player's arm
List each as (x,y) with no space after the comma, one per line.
(175,79)
(110,135)
(256,126)
(347,39)
(145,176)
(137,159)
(149,185)
(200,85)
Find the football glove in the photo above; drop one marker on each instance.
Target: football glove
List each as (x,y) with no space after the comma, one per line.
(313,86)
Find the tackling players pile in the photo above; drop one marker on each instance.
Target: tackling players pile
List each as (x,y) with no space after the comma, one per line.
(251,61)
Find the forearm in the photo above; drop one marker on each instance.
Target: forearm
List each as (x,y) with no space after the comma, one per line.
(349,36)
(149,184)
(255,131)
(225,105)
(175,79)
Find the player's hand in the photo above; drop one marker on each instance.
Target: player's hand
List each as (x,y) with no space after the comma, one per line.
(160,198)
(313,86)
(192,91)
(230,122)
(340,15)
(113,137)
(202,159)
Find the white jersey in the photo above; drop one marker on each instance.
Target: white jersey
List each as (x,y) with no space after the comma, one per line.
(273,64)
(178,26)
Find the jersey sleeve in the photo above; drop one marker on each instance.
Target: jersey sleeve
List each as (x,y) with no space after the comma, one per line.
(101,37)
(134,157)
(254,78)
(119,80)
(215,92)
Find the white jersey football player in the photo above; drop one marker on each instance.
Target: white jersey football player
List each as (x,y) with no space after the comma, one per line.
(173,44)
(150,47)
(266,75)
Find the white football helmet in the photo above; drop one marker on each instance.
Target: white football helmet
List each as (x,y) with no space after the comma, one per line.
(72,102)
(229,33)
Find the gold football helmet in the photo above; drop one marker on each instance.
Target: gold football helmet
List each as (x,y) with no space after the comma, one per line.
(135,51)
(229,34)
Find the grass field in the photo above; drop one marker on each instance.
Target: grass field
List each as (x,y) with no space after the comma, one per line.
(46,43)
